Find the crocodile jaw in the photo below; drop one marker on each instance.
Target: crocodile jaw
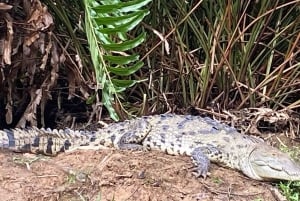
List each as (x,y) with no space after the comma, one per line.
(268,163)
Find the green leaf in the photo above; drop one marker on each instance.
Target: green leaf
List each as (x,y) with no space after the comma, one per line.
(126,71)
(123,83)
(118,20)
(128,6)
(126,26)
(107,102)
(127,45)
(121,60)
(107,23)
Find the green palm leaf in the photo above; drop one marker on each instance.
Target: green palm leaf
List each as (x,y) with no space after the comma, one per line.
(107,24)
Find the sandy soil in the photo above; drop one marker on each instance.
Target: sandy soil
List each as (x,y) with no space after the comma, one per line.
(116,175)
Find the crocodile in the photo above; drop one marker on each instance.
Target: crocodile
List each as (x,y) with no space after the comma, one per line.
(203,139)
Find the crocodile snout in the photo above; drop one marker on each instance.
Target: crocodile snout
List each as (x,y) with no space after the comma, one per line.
(269,163)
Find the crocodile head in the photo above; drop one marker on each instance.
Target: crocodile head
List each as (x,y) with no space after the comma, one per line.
(268,163)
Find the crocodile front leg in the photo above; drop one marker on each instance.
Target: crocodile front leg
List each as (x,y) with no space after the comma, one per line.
(131,140)
(202,156)
(201,162)
(134,135)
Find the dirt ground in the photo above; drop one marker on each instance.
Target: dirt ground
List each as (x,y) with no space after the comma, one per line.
(116,175)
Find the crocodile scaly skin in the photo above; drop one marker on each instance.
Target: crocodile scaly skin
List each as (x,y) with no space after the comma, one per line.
(203,139)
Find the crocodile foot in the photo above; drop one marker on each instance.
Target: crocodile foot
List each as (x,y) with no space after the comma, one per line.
(201,162)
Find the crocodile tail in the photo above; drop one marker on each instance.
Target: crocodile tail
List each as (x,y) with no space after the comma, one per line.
(45,141)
